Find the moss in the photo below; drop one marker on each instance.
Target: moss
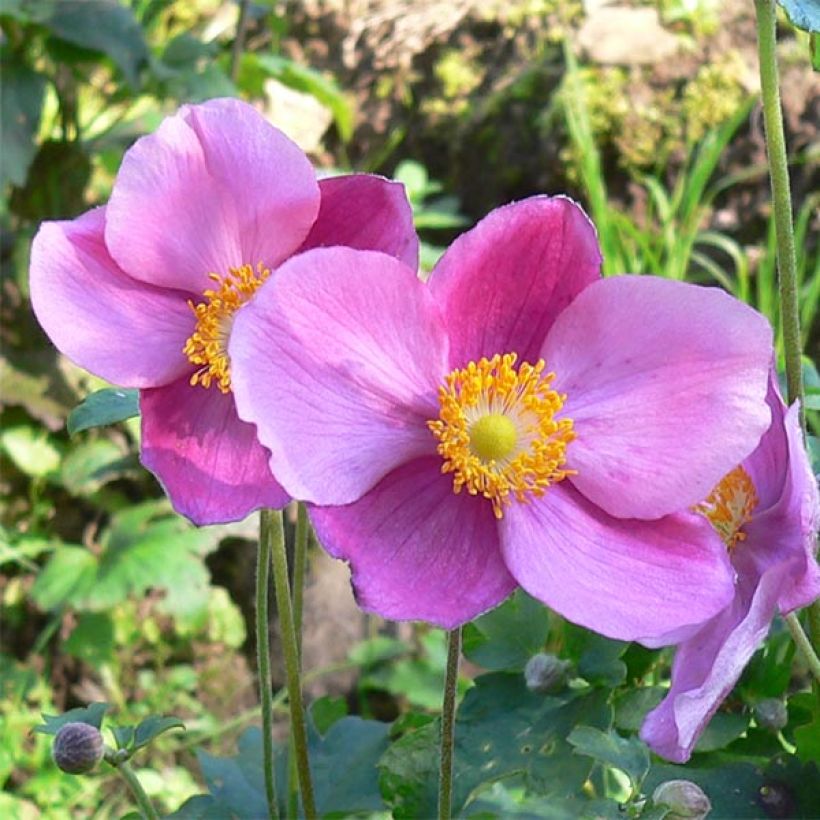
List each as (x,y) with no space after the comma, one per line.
(713,95)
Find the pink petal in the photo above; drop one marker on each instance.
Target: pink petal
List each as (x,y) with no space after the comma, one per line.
(216,186)
(119,328)
(630,580)
(666,383)
(707,667)
(418,551)
(365,212)
(337,361)
(502,284)
(207,460)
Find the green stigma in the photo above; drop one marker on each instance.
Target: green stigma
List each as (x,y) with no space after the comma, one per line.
(493,437)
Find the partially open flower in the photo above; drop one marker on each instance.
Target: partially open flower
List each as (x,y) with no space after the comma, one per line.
(517,420)
(684,799)
(78,747)
(144,291)
(767,513)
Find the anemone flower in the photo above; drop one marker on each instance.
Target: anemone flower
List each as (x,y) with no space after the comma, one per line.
(143,292)
(446,462)
(767,512)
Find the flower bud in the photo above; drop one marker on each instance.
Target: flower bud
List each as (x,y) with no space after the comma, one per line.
(686,800)
(545,673)
(771,714)
(78,747)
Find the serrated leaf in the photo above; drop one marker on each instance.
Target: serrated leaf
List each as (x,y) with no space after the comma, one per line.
(508,636)
(92,715)
(598,659)
(66,578)
(154,726)
(20,105)
(630,755)
(632,706)
(804,14)
(106,406)
(123,736)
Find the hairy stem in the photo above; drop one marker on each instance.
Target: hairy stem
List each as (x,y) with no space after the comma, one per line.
(143,801)
(803,644)
(263,561)
(290,647)
(448,720)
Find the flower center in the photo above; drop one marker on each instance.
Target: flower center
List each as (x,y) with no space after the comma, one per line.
(730,505)
(208,344)
(497,430)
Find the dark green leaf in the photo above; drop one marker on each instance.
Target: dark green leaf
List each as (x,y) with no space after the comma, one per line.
(508,636)
(326,711)
(103,407)
(123,736)
(722,729)
(632,706)
(20,106)
(92,640)
(804,14)
(630,755)
(597,658)
(106,26)
(153,726)
(91,714)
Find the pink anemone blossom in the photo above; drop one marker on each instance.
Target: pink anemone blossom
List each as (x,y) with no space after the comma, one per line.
(143,292)
(447,464)
(767,512)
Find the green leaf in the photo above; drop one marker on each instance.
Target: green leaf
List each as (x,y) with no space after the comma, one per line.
(31,451)
(502,731)
(66,578)
(632,706)
(106,26)
(508,636)
(804,14)
(326,711)
(722,729)
(630,755)
(153,726)
(106,406)
(353,746)
(92,640)
(20,105)
(123,736)
(91,464)
(91,714)
(597,658)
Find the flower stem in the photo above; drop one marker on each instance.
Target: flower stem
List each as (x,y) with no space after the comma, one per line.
(803,644)
(263,561)
(781,199)
(290,648)
(128,775)
(448,719)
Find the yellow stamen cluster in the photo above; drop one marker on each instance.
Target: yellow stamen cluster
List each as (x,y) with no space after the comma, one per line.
(208,345)
(730,505)
(497,430)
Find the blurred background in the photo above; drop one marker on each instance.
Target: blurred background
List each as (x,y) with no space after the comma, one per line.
(646,112)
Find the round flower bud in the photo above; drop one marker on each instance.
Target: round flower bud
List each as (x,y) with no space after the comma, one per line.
(545,673)
(771,714)
(686,800)
(78,748)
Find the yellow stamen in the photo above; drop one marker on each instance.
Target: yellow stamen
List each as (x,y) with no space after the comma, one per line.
(497,430)
(208,345)
(730,505)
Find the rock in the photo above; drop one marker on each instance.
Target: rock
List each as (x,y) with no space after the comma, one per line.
(619,35)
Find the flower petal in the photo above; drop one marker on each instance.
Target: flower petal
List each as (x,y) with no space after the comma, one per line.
(366,212)
(708,665)
(216,186)
(502,284)
(417,550)
(337,361)
(122,330)
(630,580)
(208,461)
(665,382)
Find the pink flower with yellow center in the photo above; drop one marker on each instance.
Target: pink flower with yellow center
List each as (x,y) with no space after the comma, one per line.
(144,291)
(517,420)
(767,513)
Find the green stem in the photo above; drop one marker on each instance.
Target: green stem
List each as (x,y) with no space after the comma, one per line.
(290,648)
(448,725)
(297,594)
(803,644)
(263,561)
(134,784)
(781,198)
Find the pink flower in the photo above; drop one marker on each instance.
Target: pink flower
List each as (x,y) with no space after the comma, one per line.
(767,512)
(446,464)
(143,292)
